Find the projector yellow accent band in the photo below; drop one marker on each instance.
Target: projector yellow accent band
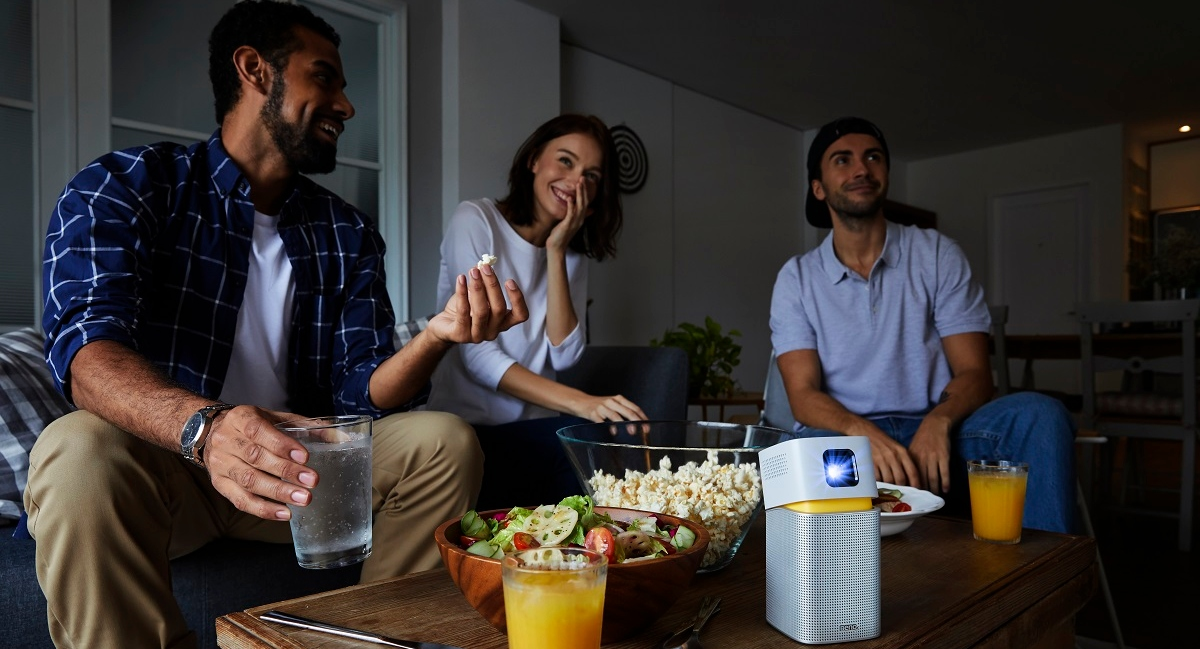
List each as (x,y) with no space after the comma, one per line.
(830,506)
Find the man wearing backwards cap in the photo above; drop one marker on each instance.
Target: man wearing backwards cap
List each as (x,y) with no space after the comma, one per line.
(881,331)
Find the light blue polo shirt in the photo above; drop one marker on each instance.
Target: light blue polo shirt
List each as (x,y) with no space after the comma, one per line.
(879,339)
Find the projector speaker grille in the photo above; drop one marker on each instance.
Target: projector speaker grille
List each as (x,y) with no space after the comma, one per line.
(822,575)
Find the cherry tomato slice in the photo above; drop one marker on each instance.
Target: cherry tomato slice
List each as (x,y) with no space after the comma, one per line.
(601,540)
(901,507)
(524,541)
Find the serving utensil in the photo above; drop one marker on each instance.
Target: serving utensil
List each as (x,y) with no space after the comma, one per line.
(688,637)
(280,617)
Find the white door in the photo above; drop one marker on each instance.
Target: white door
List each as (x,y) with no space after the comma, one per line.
(1039,263)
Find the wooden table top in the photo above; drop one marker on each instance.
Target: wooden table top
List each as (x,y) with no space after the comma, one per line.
(941,588)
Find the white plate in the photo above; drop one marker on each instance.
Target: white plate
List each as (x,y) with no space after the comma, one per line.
(921,501)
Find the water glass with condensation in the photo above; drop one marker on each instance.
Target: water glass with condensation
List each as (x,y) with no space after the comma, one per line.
(334,529)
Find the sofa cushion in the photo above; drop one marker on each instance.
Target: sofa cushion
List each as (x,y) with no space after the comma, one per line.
(28,403)
(406,331)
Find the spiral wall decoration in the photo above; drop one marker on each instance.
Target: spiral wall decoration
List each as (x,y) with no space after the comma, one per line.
(631,158)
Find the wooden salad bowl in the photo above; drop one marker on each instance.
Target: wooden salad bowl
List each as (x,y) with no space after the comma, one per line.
(635,594)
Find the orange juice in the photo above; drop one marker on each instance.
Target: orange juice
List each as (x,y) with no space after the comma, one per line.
(552,605)
(997,499)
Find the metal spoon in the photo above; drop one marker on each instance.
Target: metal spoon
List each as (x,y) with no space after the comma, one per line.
(689,636)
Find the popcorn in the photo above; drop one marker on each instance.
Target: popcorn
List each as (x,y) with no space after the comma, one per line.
(485,260)
(721,497)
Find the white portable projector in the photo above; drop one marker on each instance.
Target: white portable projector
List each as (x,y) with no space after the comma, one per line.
(822,539)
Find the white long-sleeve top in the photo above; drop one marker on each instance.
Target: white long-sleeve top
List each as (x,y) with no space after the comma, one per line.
(466,380)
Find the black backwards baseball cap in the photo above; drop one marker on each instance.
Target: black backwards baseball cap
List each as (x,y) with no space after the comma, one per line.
(815,210)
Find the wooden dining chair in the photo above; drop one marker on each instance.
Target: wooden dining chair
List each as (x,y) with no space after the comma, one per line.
(1141,409)
(776,407)
(999,357)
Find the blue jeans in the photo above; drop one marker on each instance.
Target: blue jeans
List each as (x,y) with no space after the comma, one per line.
(1022,427)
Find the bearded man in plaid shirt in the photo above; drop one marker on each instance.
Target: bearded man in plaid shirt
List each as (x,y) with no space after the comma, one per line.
(215,283)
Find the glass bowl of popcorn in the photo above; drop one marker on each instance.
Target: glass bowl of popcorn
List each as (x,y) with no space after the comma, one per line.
(706,472)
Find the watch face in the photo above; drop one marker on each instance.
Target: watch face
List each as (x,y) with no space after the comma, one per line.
(196,429)
(190,430)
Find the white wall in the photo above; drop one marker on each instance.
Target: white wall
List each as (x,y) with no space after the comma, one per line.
(631,292)
(424,154)
(499,82)
(959,188)
(739,203)
(1175,174)
(499,79)
(720,212)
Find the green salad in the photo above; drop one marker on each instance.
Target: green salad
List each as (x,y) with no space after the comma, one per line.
(572,522)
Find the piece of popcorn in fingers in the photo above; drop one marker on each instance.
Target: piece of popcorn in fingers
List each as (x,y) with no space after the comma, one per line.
(485,260)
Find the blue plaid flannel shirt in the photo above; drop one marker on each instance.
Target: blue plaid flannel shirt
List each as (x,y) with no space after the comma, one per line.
(150,247)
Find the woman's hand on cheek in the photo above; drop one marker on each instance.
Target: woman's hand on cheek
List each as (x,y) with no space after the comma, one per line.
(577,211)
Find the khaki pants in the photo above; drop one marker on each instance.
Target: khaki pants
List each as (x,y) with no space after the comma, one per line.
(109,511)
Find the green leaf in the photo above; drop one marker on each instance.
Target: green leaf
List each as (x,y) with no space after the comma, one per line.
(712,355)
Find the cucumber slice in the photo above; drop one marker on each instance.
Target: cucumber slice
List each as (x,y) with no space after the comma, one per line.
(485,549)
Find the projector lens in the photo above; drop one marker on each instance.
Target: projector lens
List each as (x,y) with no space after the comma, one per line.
(841,470)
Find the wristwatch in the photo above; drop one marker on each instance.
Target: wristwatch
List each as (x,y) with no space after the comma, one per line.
(195,431)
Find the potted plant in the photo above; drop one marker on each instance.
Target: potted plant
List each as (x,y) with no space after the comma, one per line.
(712,355)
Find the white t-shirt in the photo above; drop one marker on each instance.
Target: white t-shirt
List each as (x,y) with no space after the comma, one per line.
(465,381)
(258,366)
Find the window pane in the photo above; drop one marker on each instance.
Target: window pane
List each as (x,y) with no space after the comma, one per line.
(16,49)
(360,61)
(19,251)
(160,61)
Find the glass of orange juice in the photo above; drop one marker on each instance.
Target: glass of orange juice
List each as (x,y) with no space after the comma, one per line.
(997,499)
(554,597)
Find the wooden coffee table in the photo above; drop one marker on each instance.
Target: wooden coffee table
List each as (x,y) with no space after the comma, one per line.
(941,588)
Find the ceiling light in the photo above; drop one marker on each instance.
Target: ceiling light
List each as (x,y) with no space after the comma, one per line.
(1185,128)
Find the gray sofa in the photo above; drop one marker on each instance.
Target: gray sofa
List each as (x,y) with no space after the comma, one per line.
(229,576)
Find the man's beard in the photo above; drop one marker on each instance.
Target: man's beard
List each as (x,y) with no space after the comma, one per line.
(300,146)
(855,215)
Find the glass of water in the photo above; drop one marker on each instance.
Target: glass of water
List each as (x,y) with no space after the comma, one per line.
(334,529)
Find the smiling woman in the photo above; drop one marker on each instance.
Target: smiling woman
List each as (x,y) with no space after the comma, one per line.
(563,208)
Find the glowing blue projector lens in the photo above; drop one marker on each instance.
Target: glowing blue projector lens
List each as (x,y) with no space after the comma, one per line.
(841,470)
